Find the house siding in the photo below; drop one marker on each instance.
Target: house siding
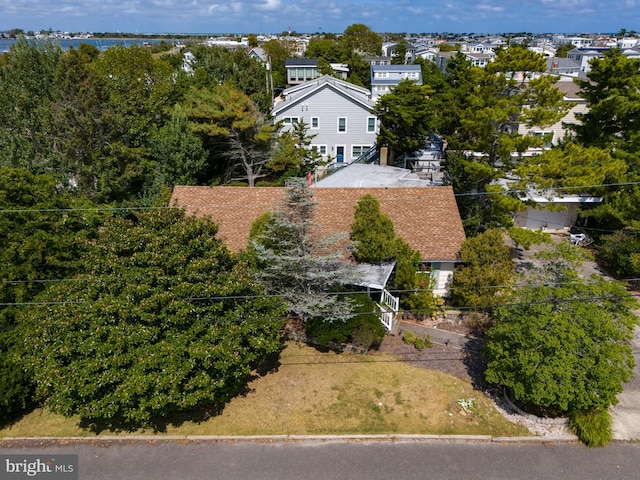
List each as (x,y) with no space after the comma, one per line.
(327,105)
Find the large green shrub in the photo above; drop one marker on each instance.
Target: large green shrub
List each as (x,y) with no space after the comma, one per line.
(621,252)
(363,329)
(372,232)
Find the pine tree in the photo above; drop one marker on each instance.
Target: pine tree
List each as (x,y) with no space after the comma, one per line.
(300,264)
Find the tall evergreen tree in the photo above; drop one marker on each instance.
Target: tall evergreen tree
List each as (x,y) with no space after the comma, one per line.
(301,264)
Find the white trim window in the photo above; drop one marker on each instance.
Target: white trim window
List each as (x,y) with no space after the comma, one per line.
(290,120)
(371,124)
(321,149)
(342,124)
(357,150)
(315,123)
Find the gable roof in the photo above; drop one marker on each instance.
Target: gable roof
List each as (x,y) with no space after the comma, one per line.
(427,218)
(290,97)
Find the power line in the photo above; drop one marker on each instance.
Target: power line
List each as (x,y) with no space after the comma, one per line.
(244,204)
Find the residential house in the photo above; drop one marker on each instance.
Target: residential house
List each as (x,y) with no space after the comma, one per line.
(378,60)
(427,218)
(552,212)
(301,70)
(583,56)
(554,134)
(228,43)
(427,53)
(338,114)
(188,62)
(479,59)
(579,42)
(385,78)
(563,66)
(259,54)
(340,70)
(443,58)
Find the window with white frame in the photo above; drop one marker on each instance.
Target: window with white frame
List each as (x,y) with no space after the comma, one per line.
(321,149)
(315,122)
(290,120)
(371,124)
(545,135)
(357,150)
(342,124)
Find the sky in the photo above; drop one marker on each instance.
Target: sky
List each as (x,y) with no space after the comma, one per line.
(310,16)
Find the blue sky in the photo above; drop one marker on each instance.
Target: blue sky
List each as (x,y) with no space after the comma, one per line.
(275,16)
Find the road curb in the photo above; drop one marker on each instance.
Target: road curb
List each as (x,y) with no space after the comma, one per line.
(396,438)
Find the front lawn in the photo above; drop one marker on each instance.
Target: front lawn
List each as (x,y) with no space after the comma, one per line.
(326,393)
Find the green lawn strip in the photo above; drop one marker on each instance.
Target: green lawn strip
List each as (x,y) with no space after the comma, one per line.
(326,393)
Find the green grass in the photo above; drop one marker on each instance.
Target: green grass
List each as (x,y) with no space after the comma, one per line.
(325,393)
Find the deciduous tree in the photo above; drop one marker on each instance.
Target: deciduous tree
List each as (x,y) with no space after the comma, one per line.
(164,319)
(561,344)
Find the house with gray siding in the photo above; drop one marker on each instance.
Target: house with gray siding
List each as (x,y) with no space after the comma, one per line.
(385,78)
(338,115)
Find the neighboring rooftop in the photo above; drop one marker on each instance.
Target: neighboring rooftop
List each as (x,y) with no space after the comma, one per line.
(369,175)
(427,218)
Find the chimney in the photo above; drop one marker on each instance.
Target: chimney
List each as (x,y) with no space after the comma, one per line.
(384,152)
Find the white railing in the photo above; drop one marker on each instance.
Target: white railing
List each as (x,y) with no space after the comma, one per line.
(386,318)
(390,301)
(387,302)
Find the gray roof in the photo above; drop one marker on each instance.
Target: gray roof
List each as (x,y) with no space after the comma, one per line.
(366,175)
(307,62)
(375,276)
(396,68)
(558,62)
(292,96)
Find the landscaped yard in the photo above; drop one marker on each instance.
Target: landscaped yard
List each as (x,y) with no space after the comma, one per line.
(327,393)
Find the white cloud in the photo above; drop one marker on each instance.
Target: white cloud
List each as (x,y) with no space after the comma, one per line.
(271,5)
(490,8)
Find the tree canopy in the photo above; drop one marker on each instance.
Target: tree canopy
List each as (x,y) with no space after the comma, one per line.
(406,118)
(163,319)
(561,343)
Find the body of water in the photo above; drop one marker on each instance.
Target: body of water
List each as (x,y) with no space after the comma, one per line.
(101,44)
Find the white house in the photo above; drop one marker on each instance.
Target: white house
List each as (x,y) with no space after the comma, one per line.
(338,114)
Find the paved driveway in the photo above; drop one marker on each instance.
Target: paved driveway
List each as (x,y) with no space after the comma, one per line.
(626,414)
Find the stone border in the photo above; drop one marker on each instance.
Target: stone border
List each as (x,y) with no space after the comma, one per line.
(533,418)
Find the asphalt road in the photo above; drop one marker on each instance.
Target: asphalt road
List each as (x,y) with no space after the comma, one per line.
(315,460)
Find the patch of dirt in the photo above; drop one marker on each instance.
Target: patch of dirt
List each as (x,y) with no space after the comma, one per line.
(467,364)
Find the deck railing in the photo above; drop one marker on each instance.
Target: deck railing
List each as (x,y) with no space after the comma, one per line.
(388,308)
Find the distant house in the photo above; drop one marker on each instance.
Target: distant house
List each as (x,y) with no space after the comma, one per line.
(555,133)
(563,66)
(427,218)
(228,43)
(188,62)
(301,70)
(479,59)
(552,212)
(378,60)
(385,78)
(583,56)
(443,58)
(338,114)
(259,54)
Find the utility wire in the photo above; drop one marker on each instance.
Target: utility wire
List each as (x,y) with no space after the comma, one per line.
(244,204)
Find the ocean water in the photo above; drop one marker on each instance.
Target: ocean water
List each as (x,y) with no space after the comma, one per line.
(66,43)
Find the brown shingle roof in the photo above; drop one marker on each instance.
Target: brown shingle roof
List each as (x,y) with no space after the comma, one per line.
(427,218)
